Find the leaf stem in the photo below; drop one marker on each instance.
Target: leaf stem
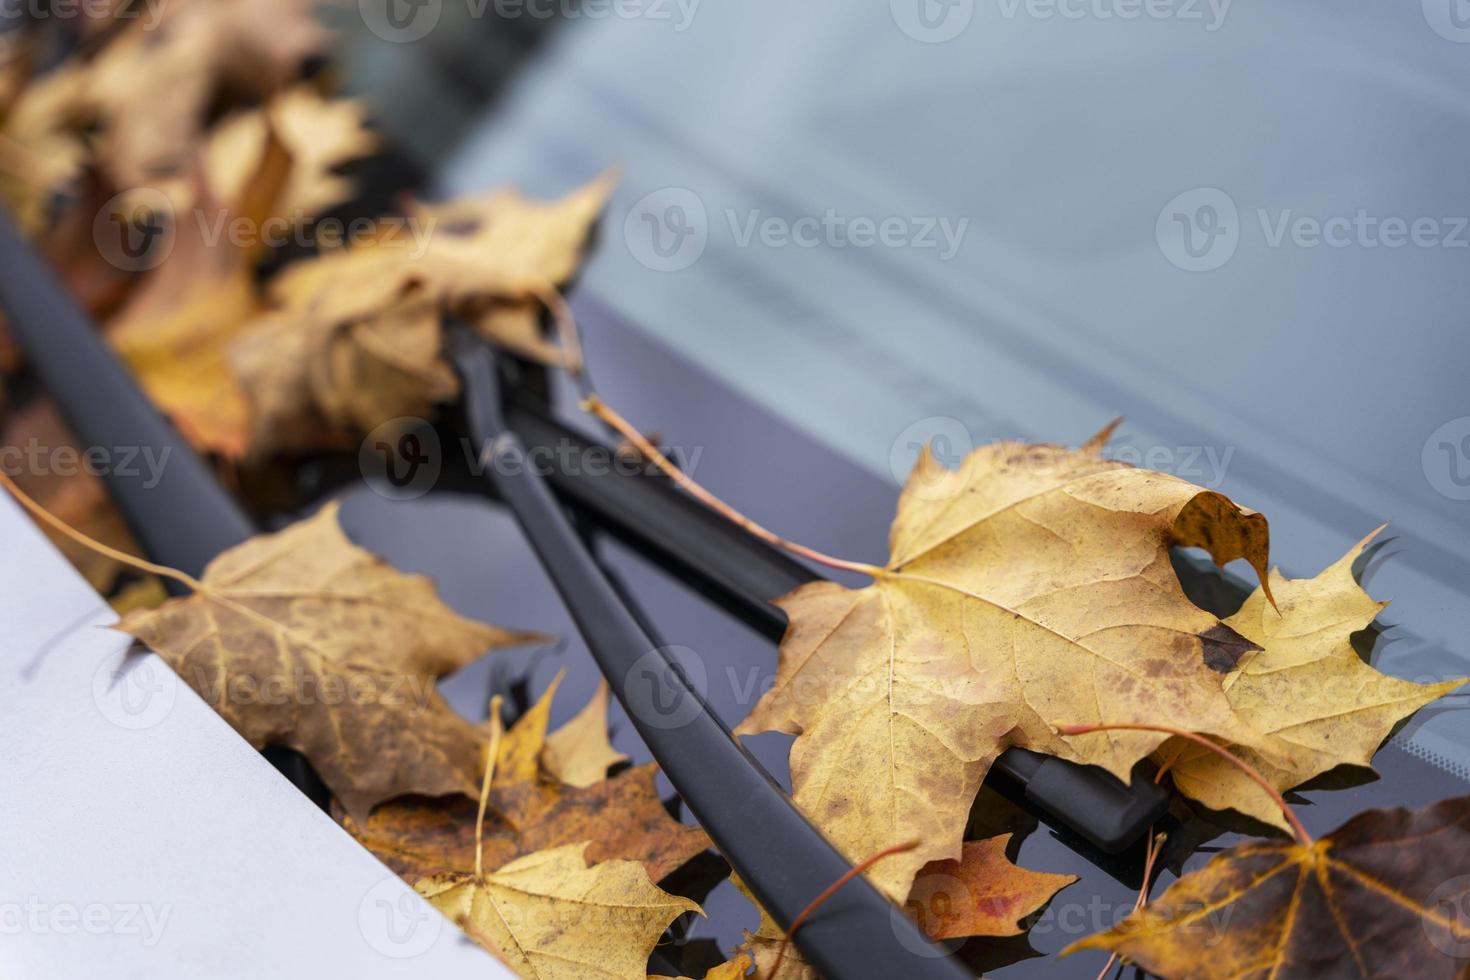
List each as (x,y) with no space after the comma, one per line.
(1235,760)
(566,329)
(491,752)
(1150,855)
(830,890)
(122,557)
(596,406)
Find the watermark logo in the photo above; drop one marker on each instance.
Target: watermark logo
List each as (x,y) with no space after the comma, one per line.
(667,230)
(949,442)
(1210,13)
(1446,459)
(34,458)
(134,692)
(932,21)
(138,229)
(405,21)
(1452,901)
(37,917)
(134,230)
(401,458)
(400,21)
(933,899)
(1199,230)
(396,922)
(832,229)
(1204,466)
(659,684)
(1450,19)
(14,13)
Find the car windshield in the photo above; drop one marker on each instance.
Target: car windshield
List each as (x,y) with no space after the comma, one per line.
(1240,228)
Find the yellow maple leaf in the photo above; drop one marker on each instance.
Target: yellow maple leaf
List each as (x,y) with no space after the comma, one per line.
(1030,584)
(579,753)
(1306,689)
(550,915)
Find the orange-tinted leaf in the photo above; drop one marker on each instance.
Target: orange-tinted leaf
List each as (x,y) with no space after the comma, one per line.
(981,894)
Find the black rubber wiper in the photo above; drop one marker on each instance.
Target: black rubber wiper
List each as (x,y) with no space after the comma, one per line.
(782,857)
(183,519)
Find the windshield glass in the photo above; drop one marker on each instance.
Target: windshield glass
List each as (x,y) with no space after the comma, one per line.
(1241,228)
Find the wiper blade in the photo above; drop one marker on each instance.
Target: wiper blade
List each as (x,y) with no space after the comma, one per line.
(783,859)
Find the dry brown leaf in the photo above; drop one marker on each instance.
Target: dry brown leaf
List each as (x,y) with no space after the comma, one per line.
(361,374)
(1032,583)
(78,498)
(505,246)
(550,916)
(273,357)
(622,817)
(366,312)
(176,329)
(305,640)
(1306,689)
(981,894)
(150,87)
(319,133)
(579,753)
(1381,896)
(40,149)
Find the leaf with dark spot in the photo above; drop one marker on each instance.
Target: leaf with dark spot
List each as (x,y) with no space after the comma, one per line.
(1384,895)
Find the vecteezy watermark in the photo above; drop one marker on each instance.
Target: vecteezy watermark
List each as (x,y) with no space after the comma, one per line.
(1209,13)
(1450,19)
(137,230)
(134,230)
(405,21)
(937,21)
(1205,925)
(1200,230)
(1451,900)
(659,684)
(133,691)
(150,12)
(932,21)
(142,919)
(35,458)
(1446,459)
(403,459)
(1204,466)
(396,922)
(304,688)
(669,229)
(948,440)
(934,898)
